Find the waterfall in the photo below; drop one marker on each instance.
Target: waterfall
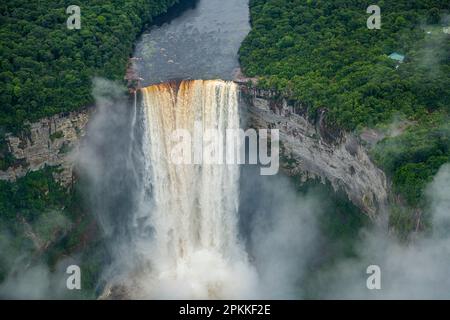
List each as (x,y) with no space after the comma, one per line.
(194,251)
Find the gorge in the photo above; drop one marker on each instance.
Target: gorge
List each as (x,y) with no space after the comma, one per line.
(142,226)
(345,162)
(189,214)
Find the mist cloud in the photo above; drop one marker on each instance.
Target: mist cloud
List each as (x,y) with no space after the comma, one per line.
(418,270)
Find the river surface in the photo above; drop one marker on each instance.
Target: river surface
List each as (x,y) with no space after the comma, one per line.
(200,42)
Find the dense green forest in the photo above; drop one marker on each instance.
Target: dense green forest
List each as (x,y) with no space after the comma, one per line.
(322,54)
(46,68)
(318,52)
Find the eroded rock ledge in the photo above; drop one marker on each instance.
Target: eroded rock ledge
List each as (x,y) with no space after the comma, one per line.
(309,148)
(50,141)
(313,150)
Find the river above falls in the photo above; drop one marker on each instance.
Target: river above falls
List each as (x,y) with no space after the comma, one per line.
(200,42)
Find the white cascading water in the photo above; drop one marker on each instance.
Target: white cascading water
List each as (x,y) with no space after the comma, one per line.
(195,251)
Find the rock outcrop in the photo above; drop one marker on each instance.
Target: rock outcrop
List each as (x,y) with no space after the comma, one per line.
(50,141)
(309,148)
(313,150)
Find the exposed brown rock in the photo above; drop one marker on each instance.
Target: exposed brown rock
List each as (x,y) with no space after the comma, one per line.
(51,141)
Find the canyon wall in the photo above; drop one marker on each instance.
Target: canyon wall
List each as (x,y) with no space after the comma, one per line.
(311,149)
(50,141)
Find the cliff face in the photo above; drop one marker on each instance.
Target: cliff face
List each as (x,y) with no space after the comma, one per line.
(51,141)
(313,150)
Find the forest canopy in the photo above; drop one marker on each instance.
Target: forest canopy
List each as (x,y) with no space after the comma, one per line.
(46,68)
(322,54)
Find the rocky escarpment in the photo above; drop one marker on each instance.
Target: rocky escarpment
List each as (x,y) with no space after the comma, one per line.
(309,148)
(50,141)
(313,150)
